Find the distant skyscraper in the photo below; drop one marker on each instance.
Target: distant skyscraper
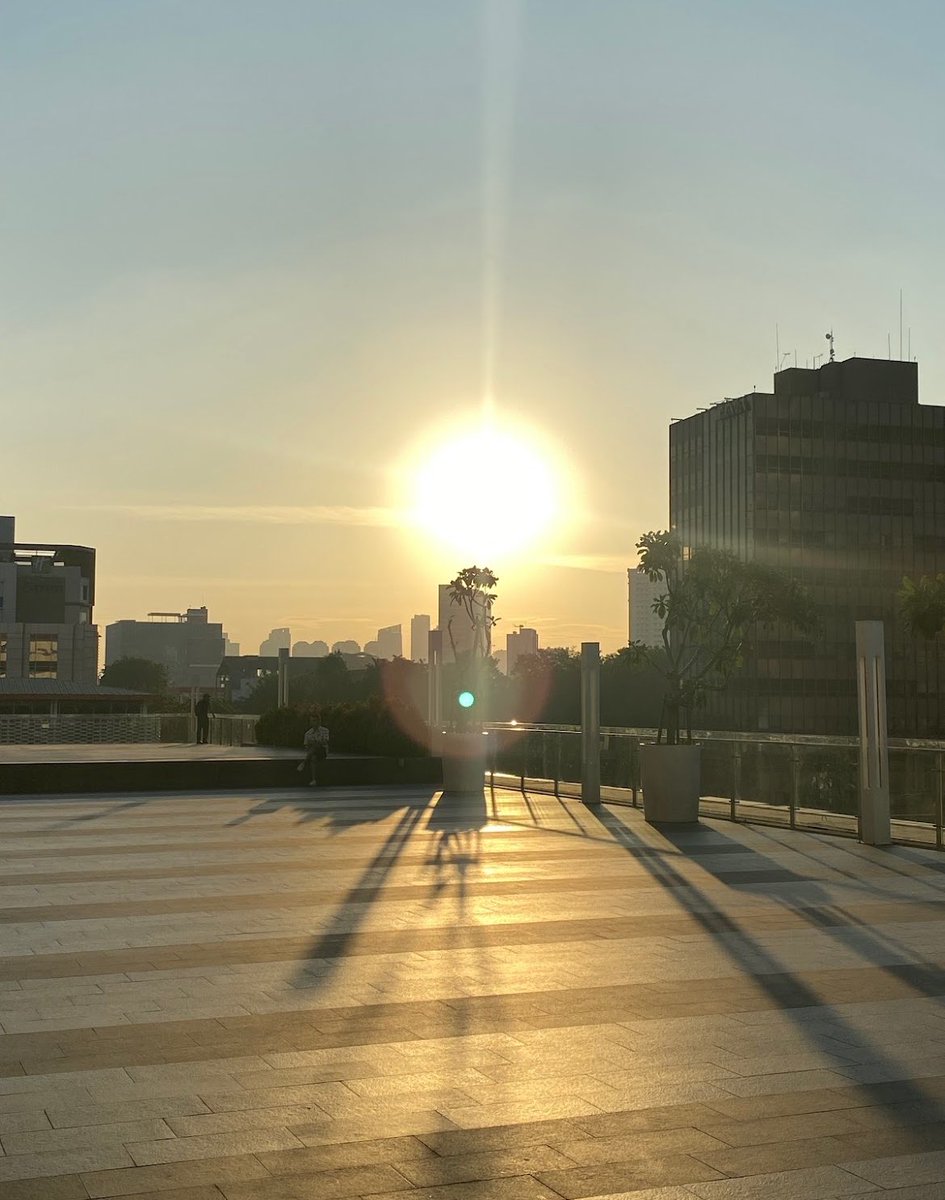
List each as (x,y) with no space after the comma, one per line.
(348,647)
(522,641)
(230,649)
(278,639)
(314,649)
(390,642)
(420,637)
(643,625)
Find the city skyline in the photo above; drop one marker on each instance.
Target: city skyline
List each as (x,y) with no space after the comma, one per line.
(300,256)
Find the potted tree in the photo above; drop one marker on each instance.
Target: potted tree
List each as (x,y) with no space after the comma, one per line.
(711,605)
(469,635)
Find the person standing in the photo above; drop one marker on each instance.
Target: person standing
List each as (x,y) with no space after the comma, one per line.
(316,747)
(202,713)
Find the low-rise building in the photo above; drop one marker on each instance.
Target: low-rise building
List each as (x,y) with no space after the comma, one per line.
(47,591)
(188,645)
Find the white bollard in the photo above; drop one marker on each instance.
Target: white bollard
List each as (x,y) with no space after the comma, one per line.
(874,756)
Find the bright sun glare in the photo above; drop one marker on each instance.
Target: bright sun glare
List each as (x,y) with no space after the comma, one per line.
(485,492)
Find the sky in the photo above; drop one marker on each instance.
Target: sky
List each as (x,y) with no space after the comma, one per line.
(261,258)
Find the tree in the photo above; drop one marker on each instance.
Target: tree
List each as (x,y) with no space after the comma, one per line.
(546,686)
(470,635)
(922,604)
(137,675)
(472,591)
(711,607)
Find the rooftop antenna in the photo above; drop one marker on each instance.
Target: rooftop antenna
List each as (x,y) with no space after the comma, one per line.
(816,356)
(910,343)
(829,337)
(795,356)
(900,324)
(787,354)
(888,345)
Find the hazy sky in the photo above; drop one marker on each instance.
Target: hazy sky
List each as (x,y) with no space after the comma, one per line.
(255,251)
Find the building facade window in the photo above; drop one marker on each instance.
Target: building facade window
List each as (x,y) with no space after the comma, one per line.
(44,656)
(3,655)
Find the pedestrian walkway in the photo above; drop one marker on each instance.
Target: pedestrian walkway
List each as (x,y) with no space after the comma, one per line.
(373,993)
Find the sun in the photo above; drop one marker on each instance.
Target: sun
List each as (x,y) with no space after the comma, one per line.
(486,491)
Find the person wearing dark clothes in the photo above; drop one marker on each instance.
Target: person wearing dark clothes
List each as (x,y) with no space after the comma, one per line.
(202,713)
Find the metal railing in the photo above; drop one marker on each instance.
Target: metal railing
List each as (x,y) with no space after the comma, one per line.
(24,729)
(74,728)
(801,782)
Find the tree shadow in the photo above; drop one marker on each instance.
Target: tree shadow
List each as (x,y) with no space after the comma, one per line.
(457,822)
(791,995)
(352,908)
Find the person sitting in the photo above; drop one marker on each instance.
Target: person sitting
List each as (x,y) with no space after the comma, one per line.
(316,747)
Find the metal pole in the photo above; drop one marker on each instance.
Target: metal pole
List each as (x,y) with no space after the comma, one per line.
(736,781)
(590,722)
(795,785)
(283,677)
(874,755)
(939,799)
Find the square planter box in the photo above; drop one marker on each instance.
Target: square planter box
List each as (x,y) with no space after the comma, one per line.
(670,776)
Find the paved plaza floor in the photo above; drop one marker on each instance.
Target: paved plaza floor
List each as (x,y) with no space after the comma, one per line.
(370,993)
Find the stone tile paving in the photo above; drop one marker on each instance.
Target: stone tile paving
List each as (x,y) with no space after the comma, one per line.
(392,995)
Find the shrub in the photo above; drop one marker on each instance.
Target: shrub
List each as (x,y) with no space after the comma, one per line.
(369,727)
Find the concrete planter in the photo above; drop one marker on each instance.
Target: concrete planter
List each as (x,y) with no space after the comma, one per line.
(670,776)
(464,761)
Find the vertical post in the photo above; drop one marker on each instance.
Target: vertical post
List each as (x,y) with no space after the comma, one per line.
(590,722)
(939,799)
(736,780)
(874,756)
(283,678)
(557,737)
(434,677)
(795,784)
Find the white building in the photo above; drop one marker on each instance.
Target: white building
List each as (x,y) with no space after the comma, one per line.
(46,597)
(643,625)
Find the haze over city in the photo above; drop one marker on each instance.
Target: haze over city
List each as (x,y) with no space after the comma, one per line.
(308,305)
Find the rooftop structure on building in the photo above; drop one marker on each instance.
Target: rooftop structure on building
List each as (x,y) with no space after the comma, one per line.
(838,478)
(47,591)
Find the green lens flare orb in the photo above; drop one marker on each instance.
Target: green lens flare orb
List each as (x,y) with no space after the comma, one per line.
(466,699)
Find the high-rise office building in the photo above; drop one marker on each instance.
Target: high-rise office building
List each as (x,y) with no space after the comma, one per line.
(454,623)
(420,637)
(390,642)
(521,641)
(278,639)
(46,597)
(837,477)
(643,625)
(188,645)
